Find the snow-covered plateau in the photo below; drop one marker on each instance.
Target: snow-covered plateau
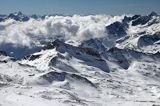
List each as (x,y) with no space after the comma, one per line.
(94,60)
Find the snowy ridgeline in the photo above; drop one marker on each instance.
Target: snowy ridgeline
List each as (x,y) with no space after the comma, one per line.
(95,60)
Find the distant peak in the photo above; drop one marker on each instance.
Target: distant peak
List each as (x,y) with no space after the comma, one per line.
(19,13)
(18,16)
(153,14)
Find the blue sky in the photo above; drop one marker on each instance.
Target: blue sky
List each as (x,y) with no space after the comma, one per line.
(82,7)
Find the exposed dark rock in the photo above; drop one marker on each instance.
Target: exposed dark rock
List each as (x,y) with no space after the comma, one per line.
(3,53)
(60,46)
(117,28)
(135,17)
(94,44)
(142,20)
(53,45)
(116,55)
(124,57)
(147,40)
(33,57)
(61,76)
(54,76)
(18,16)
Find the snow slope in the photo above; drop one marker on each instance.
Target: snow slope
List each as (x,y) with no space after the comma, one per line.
(95,60)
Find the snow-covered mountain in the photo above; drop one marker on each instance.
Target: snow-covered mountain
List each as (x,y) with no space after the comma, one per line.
(18,16)
(95,60)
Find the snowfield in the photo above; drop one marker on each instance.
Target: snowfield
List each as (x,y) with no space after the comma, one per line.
(95,60)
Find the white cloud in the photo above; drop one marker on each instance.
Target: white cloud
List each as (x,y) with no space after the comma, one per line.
(70,28)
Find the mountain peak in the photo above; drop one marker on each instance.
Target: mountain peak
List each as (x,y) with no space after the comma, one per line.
(54,44)
(19,13)
(18,16)
(153,14)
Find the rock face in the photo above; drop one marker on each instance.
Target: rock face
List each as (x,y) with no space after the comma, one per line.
(55,76)
(95,44)
(3,53)
(147,40)
(18,16)
(62,47)
(142,20)
(117,28)
(124,57)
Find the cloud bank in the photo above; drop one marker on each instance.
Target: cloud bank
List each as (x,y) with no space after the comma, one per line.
(76,28)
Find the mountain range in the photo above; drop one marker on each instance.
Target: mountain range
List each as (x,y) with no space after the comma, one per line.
(94,60)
